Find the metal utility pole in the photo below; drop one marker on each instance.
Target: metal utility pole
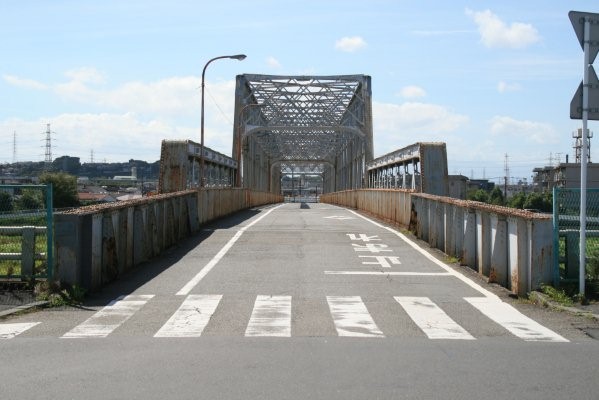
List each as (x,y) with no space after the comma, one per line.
(585,106)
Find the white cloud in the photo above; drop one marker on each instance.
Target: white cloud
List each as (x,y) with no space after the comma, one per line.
(495,33)
(399,125)
(410,92)
(273,62)
(86,75)
(350,44)
(24,83)
(129,120)
(503,87)
(527,131)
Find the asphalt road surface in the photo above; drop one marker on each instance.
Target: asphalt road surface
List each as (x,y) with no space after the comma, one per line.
(299,301)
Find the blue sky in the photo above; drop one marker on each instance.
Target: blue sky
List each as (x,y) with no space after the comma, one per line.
(489,78)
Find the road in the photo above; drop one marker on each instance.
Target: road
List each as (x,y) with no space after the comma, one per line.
(299,301)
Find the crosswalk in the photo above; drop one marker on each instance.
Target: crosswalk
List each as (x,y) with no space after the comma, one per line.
(272,316)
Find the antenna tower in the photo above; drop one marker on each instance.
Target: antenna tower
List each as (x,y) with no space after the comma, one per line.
(577,136)
(91,157)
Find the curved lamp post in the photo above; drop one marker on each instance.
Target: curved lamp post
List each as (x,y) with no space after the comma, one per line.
(235,57)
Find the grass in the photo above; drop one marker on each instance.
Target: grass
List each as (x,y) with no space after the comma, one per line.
(557,295)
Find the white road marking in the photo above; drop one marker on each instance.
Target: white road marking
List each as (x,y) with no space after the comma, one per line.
(514,321)
(9,331)
(339,217)
(271,317)
(352,318)
(191,318)
(383,261)
(105,321)
(459,276)
(431,319)
(362,237)
(387,273)
(212,263)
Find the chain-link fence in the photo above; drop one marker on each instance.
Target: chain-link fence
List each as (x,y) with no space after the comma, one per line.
(26,243)
(566,217)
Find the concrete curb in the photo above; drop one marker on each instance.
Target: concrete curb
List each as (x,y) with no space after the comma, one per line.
(545,301)
(24,307)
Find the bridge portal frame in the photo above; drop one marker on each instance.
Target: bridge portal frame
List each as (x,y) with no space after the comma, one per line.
(303,119)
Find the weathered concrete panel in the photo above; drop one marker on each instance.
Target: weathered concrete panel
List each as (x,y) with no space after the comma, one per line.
(498,272)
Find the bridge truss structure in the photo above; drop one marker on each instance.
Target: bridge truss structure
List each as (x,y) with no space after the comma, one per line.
(316,124)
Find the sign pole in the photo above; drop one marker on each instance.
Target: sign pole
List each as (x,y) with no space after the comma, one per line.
(583,162)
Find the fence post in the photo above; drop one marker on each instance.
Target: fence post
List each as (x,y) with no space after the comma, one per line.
(27,251)
(49,232)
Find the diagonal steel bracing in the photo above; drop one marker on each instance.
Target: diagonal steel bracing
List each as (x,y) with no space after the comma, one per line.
(282,121)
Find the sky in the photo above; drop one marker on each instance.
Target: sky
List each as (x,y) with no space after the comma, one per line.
(491,79)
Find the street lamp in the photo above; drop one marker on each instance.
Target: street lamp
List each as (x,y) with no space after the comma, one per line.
(235,57)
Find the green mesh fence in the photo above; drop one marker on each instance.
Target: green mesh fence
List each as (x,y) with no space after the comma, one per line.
(25,232)
(566,210)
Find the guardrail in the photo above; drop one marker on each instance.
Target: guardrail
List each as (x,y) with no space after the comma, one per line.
(96,244)
(513,248)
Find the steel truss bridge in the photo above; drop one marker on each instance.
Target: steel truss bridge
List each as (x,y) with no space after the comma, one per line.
(303,124)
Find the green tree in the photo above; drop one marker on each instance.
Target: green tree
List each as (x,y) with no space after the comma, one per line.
(6,201)
(517,201)
(496,197)
(539,201)
(64,189)
(31,199)
(478,195)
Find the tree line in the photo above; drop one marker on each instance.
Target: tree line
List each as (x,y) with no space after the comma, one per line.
(64,194)
(524,201)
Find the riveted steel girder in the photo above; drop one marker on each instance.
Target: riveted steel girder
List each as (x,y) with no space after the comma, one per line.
(293,120)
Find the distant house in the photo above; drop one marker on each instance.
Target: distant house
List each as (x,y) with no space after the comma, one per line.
(95,198)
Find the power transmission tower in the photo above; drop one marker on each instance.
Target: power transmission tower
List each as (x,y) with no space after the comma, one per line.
(91,157)
(48,158)
(14,147)
(506,178)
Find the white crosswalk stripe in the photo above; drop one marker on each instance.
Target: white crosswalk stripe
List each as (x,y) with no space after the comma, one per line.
(513,320)
(352,318)
(431,319)
(105,321)
(191,318)
(9,331)
(271,317)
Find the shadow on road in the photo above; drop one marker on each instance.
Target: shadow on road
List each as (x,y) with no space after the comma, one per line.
(145,272)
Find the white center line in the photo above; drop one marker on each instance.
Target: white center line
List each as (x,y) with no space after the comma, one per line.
(191,318)
(271,317)
(352,318)
(431,319)
(212,263)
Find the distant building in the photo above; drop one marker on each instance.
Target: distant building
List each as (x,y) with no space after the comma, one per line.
(458,186)
(564,175)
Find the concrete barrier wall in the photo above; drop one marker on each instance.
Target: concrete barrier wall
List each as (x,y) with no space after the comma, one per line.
(96,244)
(513,248)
